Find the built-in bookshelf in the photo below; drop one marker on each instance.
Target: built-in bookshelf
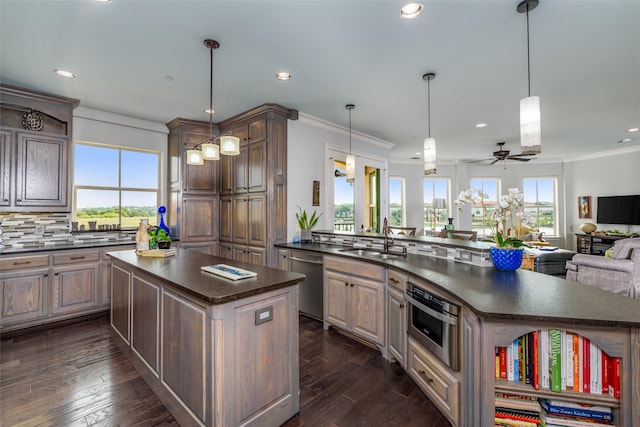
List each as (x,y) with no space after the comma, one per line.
(558,365)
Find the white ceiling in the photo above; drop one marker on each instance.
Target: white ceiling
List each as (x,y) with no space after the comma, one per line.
(585,65)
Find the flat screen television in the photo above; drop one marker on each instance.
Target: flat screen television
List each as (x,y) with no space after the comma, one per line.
(619,210)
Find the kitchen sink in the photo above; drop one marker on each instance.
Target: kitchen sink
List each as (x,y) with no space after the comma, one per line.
(361,251)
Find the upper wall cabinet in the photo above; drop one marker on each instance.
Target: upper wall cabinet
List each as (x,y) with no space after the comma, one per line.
(35,139)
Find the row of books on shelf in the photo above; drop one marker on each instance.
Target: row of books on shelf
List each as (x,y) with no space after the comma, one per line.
(514,410)
(559,360)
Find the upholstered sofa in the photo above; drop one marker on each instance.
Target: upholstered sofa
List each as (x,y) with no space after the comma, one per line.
(619,273)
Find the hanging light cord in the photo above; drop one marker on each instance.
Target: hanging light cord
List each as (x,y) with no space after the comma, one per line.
(350,130)
(428,108)
(528,56)
(210,94)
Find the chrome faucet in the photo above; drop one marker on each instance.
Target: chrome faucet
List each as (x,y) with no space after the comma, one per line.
(385,230)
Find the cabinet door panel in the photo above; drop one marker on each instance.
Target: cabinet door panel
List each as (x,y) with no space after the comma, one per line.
(226,174)
(263,372)
(120,292)
(183,351)
(258,130)
(257,220)
(74,288)
(368,319)
(41,178)
(337,302)
(397,326)
(24,297)
(199,179)
(240,219)
(6,158)
(200,214)
(257,166)
(256,256)
(145,303)
(226,218)
(240,184)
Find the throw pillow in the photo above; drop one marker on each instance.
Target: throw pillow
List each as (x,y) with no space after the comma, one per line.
(536,236)
(607,253)
(622,248)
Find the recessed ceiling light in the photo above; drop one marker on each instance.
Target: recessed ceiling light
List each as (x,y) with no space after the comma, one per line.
(64,73)
(103,1)
(208,111)
(168,78)
(481,125)
(411,10)
(282,75)
(633,130)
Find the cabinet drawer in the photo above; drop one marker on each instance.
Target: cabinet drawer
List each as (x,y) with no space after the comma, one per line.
(355,268)
(18,263)
(76,257)
(435,380)
(131,246)
(397,280)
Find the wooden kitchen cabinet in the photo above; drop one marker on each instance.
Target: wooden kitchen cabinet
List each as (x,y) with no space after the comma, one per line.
(35,175)
(75,278)
(248,225)
(354,297)
(24,292)
(397,317)
(105,272)
(246,172)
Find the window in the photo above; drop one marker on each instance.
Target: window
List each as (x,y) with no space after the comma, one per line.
(436,203)
(397,215)
(114,186)
(490,187)
(343,203)
(540,203)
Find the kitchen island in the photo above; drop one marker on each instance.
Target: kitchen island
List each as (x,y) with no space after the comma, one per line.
(217,352)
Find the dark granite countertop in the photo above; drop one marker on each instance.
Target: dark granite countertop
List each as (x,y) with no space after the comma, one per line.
(65,246)
(183,271)
(510,295)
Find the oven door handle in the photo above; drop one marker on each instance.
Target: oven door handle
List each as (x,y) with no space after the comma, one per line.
(431,312)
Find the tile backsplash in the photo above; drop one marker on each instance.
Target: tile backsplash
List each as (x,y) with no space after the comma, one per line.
(35,229)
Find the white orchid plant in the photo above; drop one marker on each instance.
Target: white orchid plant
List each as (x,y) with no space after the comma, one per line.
(509,208)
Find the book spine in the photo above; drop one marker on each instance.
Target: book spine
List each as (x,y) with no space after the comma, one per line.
(516,374)
(576,412)
(586,366)
(576,363)
(563,360)
(497,361)
(570,422)
(555,362)
(536,360)
(509,362)
(614,378)
(544,359)
(503,362)
(605,373)
(522,352)
(569,347)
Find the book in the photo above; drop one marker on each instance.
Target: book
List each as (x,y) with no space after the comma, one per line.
(522,362)
(522,419)
(576,363)
(544,358)
(614,377)
(516,355)
(228,271)
(509,362)
(503,362)
(586,366)
(157,253)
(563,360)
(497,361)
(551,420)
(536,360)
(569,355)
(555,353)
(531,407)
(596,413)
(605,373)
(507,422)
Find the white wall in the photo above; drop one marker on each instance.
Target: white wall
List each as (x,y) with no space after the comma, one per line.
(613,174)
(309,139)
(113,129)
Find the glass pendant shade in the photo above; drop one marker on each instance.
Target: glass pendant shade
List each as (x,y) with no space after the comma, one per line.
(429,156)
(530,133)
(229,145)
(351,168)
(210,151)
(194,157)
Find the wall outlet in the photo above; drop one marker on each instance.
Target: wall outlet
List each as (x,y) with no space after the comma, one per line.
(39,230)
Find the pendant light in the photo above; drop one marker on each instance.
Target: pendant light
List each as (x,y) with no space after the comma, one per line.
(351,160)
(429,143)
(530,130)
(209,150)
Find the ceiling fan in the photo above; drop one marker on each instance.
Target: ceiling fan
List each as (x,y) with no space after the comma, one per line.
(502,154)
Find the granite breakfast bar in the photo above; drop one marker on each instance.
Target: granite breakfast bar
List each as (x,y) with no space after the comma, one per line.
(217,352)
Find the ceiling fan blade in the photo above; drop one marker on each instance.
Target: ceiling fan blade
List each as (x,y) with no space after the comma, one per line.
(478,160)
(494,161)
(518,159)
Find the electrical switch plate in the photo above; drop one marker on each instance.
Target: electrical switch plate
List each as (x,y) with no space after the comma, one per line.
(39,230)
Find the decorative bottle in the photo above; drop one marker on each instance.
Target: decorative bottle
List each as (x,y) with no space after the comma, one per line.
(142,236)
(162,210)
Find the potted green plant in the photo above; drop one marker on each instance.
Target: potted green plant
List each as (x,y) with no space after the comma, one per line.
(508,250)
(159,238)
(306,223)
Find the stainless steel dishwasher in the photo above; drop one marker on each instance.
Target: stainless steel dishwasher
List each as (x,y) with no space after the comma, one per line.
(310,290)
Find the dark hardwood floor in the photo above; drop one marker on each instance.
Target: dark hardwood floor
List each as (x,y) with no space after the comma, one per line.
(75,376)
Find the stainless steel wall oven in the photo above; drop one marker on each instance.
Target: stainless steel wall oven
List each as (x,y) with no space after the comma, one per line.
(435,323)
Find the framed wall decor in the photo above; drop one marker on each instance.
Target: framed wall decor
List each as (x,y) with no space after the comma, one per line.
(316,193)
(584,207)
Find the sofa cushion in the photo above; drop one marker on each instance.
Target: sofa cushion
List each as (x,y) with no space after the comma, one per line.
(603,263)
(622,248)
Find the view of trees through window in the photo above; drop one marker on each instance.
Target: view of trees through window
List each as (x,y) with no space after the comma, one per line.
(540,203)
(114,186)
(396,202)
(436,203)
(490,187)
(343,214)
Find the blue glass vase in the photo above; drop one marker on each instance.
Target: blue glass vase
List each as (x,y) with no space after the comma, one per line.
(506,259)
(162,210)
